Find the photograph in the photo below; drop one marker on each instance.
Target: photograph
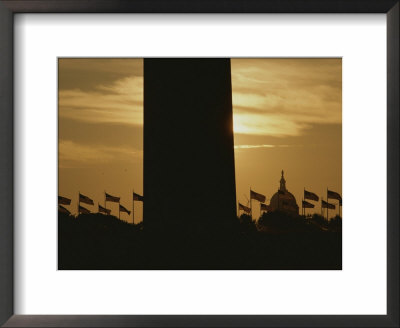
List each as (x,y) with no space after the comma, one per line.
(199,164)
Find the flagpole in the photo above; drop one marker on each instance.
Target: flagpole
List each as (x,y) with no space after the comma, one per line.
(251,208)
(133,206)
(327,205)
(321,206)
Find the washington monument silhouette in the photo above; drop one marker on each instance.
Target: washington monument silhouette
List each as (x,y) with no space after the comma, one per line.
(189,170)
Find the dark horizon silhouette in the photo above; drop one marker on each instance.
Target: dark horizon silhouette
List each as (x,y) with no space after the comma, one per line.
(277,242)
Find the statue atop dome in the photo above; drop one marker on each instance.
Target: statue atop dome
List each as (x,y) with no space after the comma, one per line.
(283,183)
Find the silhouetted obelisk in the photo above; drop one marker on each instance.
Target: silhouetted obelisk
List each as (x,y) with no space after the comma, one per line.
(189,171)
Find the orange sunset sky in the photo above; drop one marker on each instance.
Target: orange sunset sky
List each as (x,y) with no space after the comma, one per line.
(287,115)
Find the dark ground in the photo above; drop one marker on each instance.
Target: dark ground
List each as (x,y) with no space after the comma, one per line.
(276,242)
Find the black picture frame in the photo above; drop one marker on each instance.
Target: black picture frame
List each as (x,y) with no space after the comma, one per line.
(7,10)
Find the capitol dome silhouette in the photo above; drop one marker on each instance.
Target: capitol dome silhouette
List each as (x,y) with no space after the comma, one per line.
(283,200)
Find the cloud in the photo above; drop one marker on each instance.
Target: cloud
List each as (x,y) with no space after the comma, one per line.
(258,146)
(87,73)
(253,146)
(72,154)
(120,102)
(283,97)
(267,124)
(271,97)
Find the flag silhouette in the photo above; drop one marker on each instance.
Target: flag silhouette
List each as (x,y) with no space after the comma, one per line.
(328,205)
(265,207)
(62,209)
(244,208)
(110,198)
(310,195)
(257,196)
(334,195)
(63,200)
(138,197)
(83,210)
(123,209)
(85,199)
(307,204)
(104,210)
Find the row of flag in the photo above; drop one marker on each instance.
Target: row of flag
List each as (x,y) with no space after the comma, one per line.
(261,198)
(324,204)
(107,198)
(112,199)
(310,196)
(305,204)
(63,201)
(256,196)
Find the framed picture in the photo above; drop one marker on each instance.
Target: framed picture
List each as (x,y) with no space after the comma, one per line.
(270,226)
(188,169)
